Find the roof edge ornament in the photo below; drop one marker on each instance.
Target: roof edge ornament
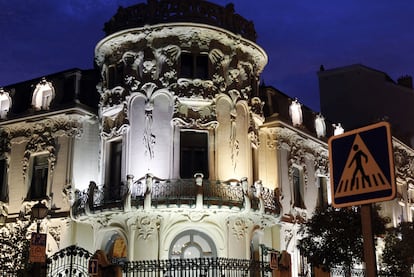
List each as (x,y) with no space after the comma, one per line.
(168,11)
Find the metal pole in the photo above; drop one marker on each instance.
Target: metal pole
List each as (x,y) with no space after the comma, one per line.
(368,238)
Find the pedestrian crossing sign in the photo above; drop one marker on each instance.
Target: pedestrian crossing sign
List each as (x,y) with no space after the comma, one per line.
(361,164)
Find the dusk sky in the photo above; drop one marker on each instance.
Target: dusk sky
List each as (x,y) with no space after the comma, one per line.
(41,37)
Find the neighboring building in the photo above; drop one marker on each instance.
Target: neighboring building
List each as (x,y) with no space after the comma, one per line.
(372,95)
(357,96)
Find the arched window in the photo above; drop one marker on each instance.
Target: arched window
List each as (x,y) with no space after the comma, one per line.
(192,244)
(116,248)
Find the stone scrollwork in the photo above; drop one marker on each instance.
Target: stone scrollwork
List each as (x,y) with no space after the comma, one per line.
(190,88)
(257,119)
(40,142)
(239,228)
(147,226)
(115,122)
(403,159)
(55,232)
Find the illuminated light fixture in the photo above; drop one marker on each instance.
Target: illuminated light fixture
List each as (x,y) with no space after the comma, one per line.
(401,202)
(39,211)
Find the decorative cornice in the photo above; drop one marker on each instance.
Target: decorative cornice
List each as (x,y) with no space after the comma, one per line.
(186,35)
(69,125)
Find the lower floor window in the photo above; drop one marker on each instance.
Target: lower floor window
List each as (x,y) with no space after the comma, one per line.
(192,244)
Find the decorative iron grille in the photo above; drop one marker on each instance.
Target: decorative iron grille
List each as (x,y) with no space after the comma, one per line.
(69,262)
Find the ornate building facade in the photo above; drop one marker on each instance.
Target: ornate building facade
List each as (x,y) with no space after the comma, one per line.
(170,148)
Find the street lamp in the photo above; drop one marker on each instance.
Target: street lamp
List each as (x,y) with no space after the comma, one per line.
(38,241)
(39,211)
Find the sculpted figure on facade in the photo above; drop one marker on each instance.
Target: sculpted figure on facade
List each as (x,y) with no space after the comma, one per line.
(320,126)
(295,112)
(5,103)
(43,95)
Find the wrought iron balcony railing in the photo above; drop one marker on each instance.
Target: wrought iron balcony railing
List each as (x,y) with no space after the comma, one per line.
(151,192)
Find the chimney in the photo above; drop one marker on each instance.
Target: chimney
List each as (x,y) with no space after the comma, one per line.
(405,81)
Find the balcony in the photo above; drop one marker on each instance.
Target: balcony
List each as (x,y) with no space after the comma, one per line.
(150,192)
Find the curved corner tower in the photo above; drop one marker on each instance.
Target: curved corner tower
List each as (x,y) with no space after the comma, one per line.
(179,117)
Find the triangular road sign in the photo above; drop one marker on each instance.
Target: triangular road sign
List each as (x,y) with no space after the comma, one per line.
(361,173)
(361,164)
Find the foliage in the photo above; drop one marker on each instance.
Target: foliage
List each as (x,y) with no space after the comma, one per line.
(14,248)
(398,255)
(333,237)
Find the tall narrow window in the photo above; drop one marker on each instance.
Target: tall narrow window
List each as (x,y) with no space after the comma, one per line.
(193,154)
(194,66)
(3,181)
(298,189)
(39,178)
(322,193)
(113,167)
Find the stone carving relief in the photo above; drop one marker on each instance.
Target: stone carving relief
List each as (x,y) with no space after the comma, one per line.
(256,120)
(404,163)
(239,228)
(55,232)
(147,227)
(233,141)
(40,142)
(190,114)
(60,125)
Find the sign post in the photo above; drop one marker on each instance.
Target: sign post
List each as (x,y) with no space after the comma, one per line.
(362,172)
(37,248)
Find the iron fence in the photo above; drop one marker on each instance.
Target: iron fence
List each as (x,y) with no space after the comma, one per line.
(198,267)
